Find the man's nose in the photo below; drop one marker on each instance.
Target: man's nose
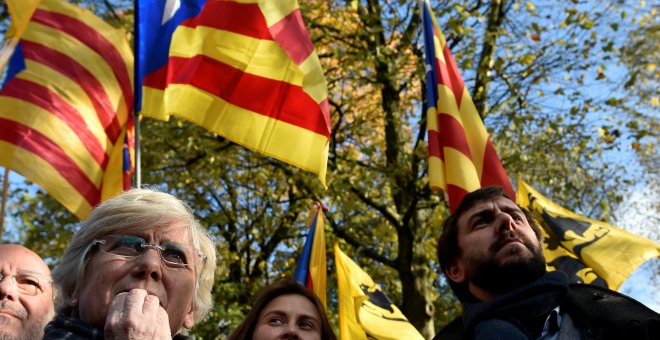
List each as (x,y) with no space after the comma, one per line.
(504,222)
(8,289)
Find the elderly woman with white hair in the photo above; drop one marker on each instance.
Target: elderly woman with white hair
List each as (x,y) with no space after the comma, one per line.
(140,267)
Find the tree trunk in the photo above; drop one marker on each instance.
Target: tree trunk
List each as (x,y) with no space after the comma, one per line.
(416,278)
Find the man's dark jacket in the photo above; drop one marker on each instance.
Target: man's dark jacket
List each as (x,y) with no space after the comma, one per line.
(597,313)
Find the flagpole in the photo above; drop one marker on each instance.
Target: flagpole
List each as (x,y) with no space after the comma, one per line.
(5,189)
(138,170)
(420,6)
(137,94)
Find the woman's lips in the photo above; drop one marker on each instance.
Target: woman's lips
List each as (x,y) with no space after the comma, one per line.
(149,292)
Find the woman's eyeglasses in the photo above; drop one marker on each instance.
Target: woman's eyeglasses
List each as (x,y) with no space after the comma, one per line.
(174,255)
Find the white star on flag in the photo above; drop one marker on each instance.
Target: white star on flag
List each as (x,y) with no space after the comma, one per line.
(171,6)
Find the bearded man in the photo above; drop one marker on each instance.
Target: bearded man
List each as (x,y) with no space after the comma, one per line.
(26,294)
(491,252)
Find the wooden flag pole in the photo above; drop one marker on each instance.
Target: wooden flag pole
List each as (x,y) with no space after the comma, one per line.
(138,170)
(5,189)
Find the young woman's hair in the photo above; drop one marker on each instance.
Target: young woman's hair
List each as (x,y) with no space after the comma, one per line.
(285,286)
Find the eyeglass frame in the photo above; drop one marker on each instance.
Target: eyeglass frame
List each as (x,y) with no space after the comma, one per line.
(157,247)
(39,289)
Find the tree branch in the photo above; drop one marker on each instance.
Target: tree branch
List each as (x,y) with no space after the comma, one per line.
(111,9)
(483,77)
(360,247)
(388,214)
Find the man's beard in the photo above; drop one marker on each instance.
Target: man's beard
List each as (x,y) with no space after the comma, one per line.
(516,271)
(33,331)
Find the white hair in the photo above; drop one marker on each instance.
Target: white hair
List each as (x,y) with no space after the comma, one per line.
(137,209)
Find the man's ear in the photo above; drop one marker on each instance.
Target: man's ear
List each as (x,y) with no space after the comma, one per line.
(456,272)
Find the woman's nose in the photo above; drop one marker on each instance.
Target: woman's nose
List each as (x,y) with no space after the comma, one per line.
(290,332)
(150,265)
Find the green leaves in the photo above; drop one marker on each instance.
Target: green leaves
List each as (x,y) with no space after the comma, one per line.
(531,9)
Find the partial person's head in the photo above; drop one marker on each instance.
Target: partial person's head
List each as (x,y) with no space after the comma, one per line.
(26,293)
(285,310)
(490,246)
(141,239)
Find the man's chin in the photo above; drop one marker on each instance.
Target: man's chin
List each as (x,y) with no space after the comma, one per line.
(7,319)
(519,258)
(19,333)
(12,328)
(9,333)
(509,272)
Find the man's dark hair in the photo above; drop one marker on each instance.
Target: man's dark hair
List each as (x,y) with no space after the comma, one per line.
(448,249)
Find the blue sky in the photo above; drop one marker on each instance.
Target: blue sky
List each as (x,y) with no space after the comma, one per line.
(636,214)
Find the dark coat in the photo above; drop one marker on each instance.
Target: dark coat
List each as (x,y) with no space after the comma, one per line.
(68,328)
(598,313)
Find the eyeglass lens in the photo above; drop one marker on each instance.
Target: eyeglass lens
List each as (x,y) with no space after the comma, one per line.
(133,246)
(25,283)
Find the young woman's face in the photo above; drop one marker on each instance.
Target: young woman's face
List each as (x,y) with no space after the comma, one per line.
(286,316)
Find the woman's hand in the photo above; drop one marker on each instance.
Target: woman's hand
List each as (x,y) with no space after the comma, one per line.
(137,315)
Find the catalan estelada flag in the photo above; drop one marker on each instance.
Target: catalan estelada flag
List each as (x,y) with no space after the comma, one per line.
(587,251)
(66,106)
(365,312)
(461,157)
(311,267)
(247,70)
(20,13)
(155,23)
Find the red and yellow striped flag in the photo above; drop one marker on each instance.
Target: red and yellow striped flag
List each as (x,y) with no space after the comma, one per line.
(247,70)
(66,107)
(461,157)
(20,13)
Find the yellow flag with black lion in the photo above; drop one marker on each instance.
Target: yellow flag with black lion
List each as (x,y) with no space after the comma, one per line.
(588,251)
(365,312)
